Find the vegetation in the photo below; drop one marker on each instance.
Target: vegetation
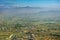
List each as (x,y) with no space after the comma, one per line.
(19,29)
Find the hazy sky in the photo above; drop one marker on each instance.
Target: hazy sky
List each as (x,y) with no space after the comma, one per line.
(33,3)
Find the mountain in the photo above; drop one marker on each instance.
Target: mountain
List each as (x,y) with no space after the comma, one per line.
(19,7)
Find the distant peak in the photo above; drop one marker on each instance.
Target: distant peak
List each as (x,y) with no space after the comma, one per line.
(27,6)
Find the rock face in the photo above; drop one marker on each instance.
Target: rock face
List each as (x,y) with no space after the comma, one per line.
(13,37)
(30,37)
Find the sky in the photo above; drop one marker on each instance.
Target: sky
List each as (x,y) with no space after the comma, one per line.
(32,3)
